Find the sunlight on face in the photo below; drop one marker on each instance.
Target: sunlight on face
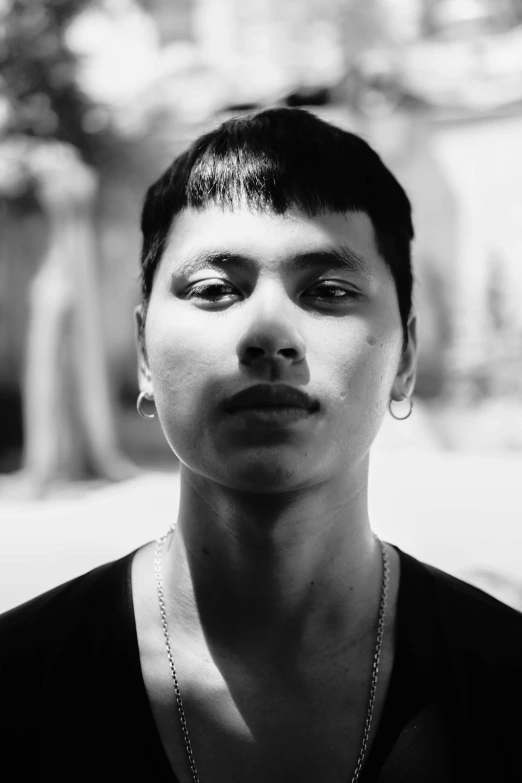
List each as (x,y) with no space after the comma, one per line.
(244,298)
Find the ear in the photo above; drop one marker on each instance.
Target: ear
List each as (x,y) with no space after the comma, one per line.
(144,377)
(405,379)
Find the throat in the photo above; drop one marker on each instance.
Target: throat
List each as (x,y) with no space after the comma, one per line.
(292,598)
(293,627)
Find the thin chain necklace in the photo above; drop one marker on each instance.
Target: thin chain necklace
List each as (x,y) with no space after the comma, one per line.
(375,665)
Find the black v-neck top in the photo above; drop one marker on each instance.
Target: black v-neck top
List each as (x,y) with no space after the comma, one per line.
(73,704)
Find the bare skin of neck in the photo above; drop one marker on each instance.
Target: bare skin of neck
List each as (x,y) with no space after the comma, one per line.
(272,608)
(287,574)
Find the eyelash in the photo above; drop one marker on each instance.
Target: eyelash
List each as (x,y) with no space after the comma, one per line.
(198,290)
(348,293)
(201,291)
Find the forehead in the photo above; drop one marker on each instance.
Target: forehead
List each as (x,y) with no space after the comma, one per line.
(269,237)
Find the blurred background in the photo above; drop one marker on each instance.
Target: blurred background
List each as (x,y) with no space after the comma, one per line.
(96,98)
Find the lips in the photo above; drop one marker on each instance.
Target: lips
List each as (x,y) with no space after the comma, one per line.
(271,397)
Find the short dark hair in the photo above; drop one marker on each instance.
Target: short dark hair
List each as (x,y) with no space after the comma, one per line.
(278,159)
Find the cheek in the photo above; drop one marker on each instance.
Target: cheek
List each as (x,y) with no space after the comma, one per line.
(363,374)
(175,348)
(176,359)
(187,360)
(363,359)
(177,373)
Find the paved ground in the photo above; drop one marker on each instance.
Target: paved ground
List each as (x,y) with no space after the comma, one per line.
(459,511)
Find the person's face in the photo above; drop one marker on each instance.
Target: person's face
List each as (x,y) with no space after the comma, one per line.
(245,299)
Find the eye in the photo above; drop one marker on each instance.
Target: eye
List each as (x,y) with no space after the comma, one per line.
(211,291)
(331,292)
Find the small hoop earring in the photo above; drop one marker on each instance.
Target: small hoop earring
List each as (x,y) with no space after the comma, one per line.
(401,418)
(144,396)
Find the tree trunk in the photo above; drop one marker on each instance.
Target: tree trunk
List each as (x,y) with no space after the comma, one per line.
(69,423)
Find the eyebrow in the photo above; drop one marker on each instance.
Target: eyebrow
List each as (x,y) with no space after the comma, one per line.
(337,257)
(220,260)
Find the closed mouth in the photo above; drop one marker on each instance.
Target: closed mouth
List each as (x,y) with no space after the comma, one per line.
(271,397)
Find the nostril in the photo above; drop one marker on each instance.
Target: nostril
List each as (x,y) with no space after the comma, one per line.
(253,352)
(272,344)
(288,353)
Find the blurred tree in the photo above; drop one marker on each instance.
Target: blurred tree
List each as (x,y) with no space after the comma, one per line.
(49,148)
(40,96)
(69,425)
(428,17)
(364,25)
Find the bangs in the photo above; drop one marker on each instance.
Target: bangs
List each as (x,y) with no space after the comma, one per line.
(276,166)
(279,159)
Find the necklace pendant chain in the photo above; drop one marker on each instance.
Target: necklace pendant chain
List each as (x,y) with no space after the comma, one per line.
(375,665)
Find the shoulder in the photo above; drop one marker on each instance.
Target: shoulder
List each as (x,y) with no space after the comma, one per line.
(472,621)
(479,668)
(33,627)
(53,648)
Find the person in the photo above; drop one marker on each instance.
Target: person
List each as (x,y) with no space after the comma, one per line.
(268,635)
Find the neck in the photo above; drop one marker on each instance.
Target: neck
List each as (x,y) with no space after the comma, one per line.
(274,569)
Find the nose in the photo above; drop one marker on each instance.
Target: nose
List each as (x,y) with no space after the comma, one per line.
(271,334)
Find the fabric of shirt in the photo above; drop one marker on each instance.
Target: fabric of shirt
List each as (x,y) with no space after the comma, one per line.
(73,703)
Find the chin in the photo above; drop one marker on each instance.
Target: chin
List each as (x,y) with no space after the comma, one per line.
(265,476)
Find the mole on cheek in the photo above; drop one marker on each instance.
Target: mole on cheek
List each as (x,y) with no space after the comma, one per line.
(371,340)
